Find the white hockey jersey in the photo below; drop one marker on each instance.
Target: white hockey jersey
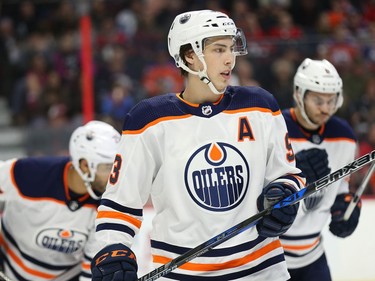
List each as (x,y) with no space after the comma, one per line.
(303,241)
(204,165)
(41,237)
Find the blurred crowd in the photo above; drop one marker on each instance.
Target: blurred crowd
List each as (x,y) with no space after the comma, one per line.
(40,54)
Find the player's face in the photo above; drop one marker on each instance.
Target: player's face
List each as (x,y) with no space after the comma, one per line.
(220,59)
(101,178)
(319,107)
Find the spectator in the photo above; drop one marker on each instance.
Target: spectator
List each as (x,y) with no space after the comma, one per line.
(366,145)
(116,104)
(162,77)
(244,73)
(285,29)
(363,110)
(282,77)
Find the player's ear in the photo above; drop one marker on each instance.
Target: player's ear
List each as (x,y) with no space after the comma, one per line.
(84,166)
(189,56)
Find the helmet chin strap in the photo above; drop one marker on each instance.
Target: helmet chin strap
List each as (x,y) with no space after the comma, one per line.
(90,191)
(306,118)
(301,107)
(203,76)
(205,79)
(86,180)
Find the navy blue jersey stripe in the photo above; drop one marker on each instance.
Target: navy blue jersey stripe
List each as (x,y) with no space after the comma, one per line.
(87,257)
(295,255)
(115,206)
(116,227)
(293,178)
(300,237)
(212,253)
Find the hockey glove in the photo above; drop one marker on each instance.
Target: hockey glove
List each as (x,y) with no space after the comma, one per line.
(114,263)
(338,226)
(314,165)
(280,219)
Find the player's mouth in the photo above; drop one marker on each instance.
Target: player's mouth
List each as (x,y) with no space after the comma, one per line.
(226,74)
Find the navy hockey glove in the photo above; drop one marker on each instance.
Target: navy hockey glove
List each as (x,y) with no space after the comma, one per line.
(114,263)
(280,219)
(314,165)
(338,226)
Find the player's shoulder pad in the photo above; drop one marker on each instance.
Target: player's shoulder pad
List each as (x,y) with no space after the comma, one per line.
(252,97)
(337,127)
(35,176)
(151,109)
(292,125)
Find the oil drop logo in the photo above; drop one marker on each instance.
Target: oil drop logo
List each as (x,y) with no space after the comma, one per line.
(217,176)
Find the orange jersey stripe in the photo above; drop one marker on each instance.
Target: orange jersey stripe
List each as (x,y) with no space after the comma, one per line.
(303,182)
(261,109)
(168,118)
(156,121)
(301,247)
(86,266)
(19,262)
(229,264)
(120,216)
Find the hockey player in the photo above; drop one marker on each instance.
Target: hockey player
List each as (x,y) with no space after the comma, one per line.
(209,157)
(322,143)
(47,225)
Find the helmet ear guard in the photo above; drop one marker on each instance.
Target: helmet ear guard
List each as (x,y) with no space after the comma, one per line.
(97,143)
(318,76)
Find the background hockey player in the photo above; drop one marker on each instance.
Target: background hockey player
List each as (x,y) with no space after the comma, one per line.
(47,224)
(322,143)
(209,157)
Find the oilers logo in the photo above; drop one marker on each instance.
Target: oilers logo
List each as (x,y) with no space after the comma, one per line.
(217,176)
(61,240)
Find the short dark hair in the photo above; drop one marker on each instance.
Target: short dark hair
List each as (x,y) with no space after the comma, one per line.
(185,50)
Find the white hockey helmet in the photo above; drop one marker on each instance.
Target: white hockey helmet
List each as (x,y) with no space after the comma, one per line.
(196,26)
(97,142)
(317,76)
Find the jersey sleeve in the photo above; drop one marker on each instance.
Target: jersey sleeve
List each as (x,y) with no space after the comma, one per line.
(120,212)
(281,166)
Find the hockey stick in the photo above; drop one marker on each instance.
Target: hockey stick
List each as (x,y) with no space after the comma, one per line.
(359,193)
(3,277)
(238,228)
